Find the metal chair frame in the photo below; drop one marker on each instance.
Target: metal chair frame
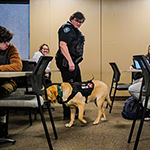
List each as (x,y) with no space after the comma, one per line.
(115,83)
(145,91)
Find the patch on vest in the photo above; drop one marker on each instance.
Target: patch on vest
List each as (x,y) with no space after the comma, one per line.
(66,29)
(86,89)
(87,86)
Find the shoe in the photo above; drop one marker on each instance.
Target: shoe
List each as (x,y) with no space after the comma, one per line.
(3,130)
(146,119)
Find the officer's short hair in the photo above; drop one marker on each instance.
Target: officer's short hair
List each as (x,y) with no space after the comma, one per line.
(5,35)
(77,15)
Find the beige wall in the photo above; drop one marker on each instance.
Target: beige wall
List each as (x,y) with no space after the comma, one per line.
(115,30)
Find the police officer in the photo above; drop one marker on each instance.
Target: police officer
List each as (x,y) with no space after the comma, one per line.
(70,52)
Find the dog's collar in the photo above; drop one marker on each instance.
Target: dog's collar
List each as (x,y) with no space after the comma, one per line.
(60,94)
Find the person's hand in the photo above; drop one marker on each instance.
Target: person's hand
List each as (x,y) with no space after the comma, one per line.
(71,66)
(141,80)
(130,67)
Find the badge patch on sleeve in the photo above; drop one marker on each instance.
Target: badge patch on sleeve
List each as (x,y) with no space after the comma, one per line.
(66,29)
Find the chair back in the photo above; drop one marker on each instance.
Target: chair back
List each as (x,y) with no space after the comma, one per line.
(146,72)
(37,77)
(28,65)
(116,72)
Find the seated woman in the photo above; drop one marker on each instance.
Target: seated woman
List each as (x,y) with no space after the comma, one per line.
(135,87)
(43,51)
(138,75)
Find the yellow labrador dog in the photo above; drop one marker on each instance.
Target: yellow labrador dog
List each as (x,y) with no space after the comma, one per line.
(99,94)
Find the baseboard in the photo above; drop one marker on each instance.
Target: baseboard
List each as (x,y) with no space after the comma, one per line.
(120,98)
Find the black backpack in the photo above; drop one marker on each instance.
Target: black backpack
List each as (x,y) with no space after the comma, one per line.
(129,109)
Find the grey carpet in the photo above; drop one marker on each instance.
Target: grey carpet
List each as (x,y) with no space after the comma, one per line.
(109,135)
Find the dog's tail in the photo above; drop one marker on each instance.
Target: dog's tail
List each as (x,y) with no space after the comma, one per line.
(108,100)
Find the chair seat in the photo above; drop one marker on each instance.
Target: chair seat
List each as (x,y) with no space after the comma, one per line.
(123,86)
(15,100)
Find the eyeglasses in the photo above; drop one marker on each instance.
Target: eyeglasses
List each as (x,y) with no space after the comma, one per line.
(45,48)
(79,21)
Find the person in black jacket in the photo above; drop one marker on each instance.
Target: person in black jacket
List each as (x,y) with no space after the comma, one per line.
(70,52)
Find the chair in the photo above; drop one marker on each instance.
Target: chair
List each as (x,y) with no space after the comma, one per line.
(29,65)
(16,101)
(115,83)
(145,91)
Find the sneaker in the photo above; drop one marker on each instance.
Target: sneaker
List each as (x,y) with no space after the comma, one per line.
(146,119)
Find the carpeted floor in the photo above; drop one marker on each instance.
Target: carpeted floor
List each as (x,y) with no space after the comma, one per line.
(109,135)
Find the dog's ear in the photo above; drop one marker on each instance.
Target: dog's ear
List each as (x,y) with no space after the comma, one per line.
(49,94)
(52,93)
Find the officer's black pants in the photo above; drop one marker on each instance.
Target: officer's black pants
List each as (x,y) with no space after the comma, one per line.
(67,76)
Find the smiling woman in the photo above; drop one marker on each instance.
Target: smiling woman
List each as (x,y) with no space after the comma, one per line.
(43,50)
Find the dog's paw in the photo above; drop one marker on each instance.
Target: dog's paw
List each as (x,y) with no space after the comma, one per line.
(95,123)
(103,119)
(68,125)
(83,121)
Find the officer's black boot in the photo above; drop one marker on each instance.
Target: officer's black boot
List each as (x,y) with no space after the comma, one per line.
(77,112)
(3,125)
(66,112)
(3,130)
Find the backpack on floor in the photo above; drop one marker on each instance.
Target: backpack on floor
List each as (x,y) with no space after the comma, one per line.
(129,109)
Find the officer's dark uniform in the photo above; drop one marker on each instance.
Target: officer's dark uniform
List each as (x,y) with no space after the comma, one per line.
(75,42)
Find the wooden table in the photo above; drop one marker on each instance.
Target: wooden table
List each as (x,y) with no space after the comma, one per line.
(15,74)
(52,70)
(131,71)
